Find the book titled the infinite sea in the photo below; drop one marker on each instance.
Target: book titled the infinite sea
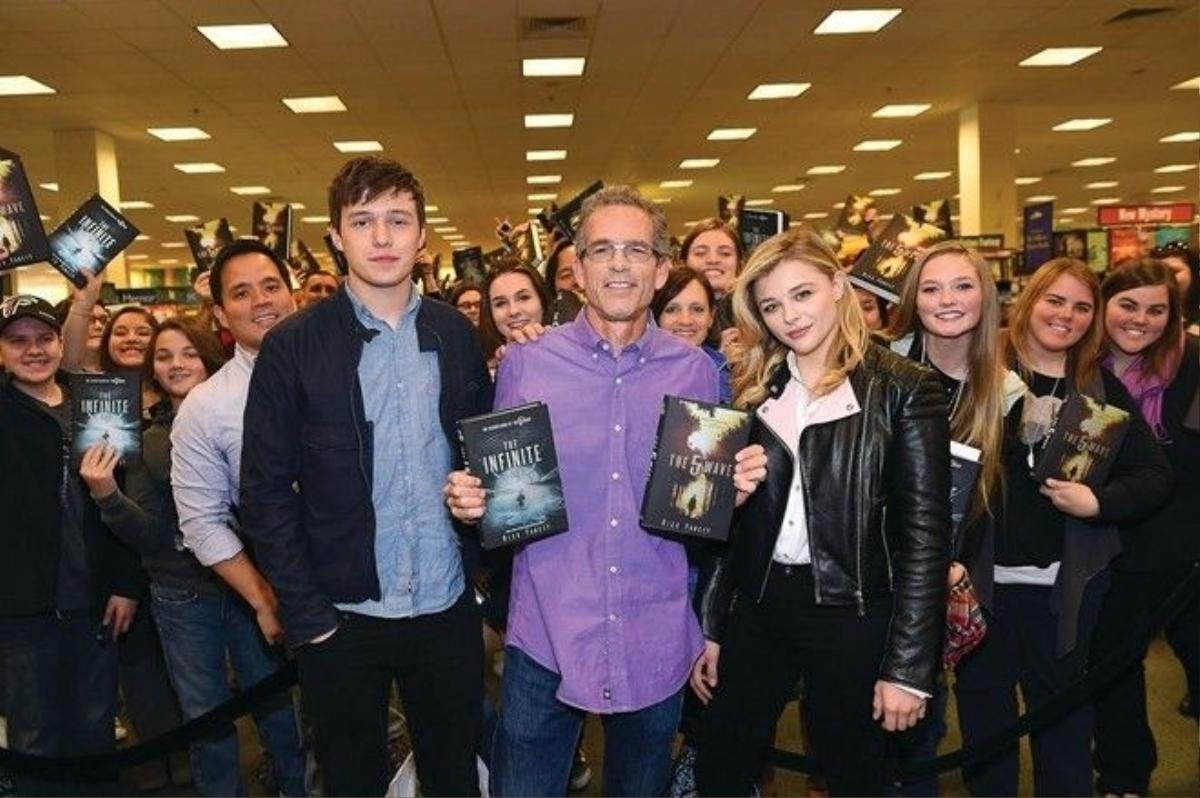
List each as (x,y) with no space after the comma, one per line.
(89,239)
(512,452)
(106,408)
(690,491)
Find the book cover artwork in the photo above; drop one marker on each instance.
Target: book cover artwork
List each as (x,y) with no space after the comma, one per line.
(89,239)
(106,408)
(690,491)
(207,240)
(271,223)
(22,237)
(1084,442)
(882,267)
(470,266)
(964,473)
(512,451)
(756,226)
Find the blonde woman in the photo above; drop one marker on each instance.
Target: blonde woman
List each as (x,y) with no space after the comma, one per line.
(828,588)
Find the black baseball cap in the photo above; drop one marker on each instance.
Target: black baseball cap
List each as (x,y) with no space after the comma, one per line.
(27,306)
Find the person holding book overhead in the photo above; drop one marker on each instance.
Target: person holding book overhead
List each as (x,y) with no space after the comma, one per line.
(600,620)
(828,589)
(349,436)
(1147,349)
(1057,536)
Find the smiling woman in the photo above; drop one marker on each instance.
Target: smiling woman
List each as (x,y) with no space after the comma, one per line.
(514,297)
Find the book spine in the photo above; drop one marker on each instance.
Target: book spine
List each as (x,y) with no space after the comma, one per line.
(654,467)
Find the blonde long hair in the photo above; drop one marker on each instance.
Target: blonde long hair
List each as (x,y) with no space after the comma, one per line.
(1083,357)
(757,353)
(978,418)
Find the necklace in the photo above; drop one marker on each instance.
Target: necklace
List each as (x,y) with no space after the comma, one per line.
(1038,417)
(958,391)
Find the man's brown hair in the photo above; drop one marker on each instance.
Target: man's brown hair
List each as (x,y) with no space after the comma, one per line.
(363,179)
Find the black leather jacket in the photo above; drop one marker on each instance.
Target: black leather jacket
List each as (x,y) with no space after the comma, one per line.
(877,502)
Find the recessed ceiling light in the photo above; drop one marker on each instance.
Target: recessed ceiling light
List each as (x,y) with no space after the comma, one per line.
(178,244)
(543,180)
(315,105)
(549,120)
(1175,167)
(1027,181)
(436,219)
(431,209)
(777,91)
(732,133)
(142,237)
(358,146)
(756,203)
(883,192)
(1167,189)
(1182,136)
(533,211)
(1066,220)
(1187,85)
(786,188)
(839,205)
(1074,210)
(675,184)
(181,218)
(1042,198)
(135,205)
(243,37)
(49,186)
(699,163)
(205,168)
(1106,200)
(864,20)
(552,67)
(1102,184)
(830,169)
(545,155)
(877,145)
(297,206)
(541,197)
(249,191)
(1060,56)
(1099,161)
(898,111)
(136,257)
(816,215)
(445,229)
(932,175)
(692,223)
(315,219)
(168,261)
(178,133)
(17,85)
(1081,124)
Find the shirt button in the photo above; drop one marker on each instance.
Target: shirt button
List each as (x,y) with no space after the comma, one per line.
(615,476)
(607,694)
(642,360)
(612,616)
(612,569)
(604,347)
(618,380)
(595,356)
(613,522)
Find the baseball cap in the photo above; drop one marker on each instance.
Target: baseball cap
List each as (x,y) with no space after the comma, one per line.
(27,306)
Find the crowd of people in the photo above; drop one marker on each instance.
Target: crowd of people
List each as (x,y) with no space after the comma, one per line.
(301,493)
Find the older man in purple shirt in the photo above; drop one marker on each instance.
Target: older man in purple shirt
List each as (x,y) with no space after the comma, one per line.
(600,619)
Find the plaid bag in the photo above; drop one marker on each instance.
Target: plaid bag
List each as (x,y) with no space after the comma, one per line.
(965,624)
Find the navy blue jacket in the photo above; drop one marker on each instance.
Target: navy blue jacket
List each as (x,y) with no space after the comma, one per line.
(306,478)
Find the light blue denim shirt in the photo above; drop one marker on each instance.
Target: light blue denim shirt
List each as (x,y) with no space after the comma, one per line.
(416,548)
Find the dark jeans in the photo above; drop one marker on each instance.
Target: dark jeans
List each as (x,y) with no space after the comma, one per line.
(920,743)
(1019,650)
(437,662)
(198,631)
(60,682)
(768,646)
(535,743)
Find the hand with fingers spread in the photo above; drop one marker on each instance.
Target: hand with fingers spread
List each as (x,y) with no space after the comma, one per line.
(97,467)
(465,496)
(750,468)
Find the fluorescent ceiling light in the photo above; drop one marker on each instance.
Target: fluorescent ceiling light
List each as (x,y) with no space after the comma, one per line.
(756,203)
(358,146)
(178,133)
(1027,181)
(541,197)
(839,205)
(1081,124)
(661,200)
(1060,56)
(533,211)
(135,205)
(545,155)
(431,209)
(732,133)
(315,105)
(453,236)
(43,217)
(136,257)
(142,237)
(699,163)
(436,219)
(1175,167)
(543,180)
(549,120)
(19,85)
(877,145)
(1102,184)
(1187,85)
(1167,189)
(297,206)
(816,215)
(1182,136)
(692,223)
(777,91)
(168,261)
(1100,161)
(315,219)
(49,186)
(898,111)
(445,229)
(1074,210)
(1106,200)
(177,244)
(205,168)
(786,188)
(675,184)
(243,37)
(932,175)
(830,169)
(864,20)
(1042,198)
(552,67)
(181,218)
(1066,220)
(249,191)
(883,192)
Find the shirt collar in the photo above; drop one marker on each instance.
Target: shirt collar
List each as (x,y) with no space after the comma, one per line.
(583,333)
(244,355)
(369,319)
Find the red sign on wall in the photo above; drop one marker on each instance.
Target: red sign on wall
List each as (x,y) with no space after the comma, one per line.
(1176,213)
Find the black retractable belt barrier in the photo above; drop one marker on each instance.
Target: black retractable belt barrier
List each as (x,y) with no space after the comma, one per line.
(1062,702)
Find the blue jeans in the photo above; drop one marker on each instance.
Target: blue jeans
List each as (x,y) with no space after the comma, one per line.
(60,695)
(197,631)
(535,742)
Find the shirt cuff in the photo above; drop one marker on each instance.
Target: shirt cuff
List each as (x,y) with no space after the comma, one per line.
(216,547)
(912,690)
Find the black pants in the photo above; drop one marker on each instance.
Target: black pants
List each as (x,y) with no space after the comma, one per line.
(437,662)
(767,647)
(149,698)
(1125,753)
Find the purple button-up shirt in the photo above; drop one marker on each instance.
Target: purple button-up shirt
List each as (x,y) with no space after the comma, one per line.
(605,604)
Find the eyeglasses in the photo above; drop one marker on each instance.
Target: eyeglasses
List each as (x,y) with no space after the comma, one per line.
(639,253)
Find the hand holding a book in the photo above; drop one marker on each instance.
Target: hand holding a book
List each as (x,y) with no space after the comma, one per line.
(1073,498)
(85,297)
(465,496)
(704,672)
(97,467)
(750,469)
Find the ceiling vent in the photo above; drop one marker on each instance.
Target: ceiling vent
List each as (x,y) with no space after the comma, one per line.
(554,27)
(1139,13)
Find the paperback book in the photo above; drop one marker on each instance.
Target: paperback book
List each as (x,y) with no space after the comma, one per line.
(936,213)
(690,491)
(22,237)
(564,219)
(1084,442)
(271,223)
(89,239)
(470,266)
(206,240)
(756,226)
(882,267)
(339,257)
(512,451)
(106,408)
(964,473)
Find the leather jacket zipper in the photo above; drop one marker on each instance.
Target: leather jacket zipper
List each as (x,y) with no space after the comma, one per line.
(859,599)
(795,468)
